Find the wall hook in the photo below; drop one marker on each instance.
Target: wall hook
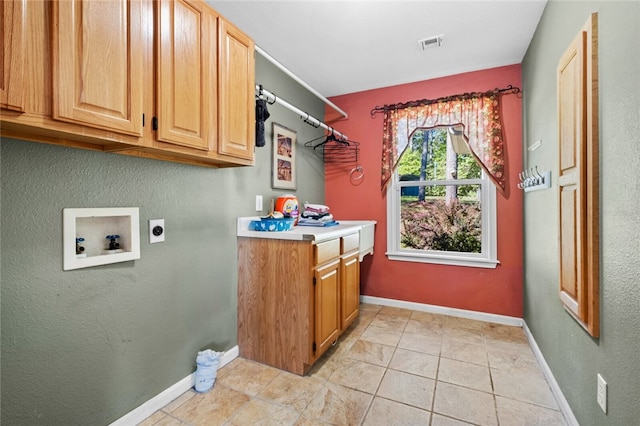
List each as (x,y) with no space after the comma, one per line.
(532,179)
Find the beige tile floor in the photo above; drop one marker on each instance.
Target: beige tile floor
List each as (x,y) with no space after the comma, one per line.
(392,367)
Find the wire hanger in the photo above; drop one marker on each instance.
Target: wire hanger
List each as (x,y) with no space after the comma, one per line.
(327,139)
(331,138)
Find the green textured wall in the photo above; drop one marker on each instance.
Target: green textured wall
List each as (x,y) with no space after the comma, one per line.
(85,347)
(574,357)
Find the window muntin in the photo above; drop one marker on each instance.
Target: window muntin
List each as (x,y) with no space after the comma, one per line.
(441,206)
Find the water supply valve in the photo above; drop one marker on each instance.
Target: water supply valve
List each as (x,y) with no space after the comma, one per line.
(113,243)
(79,248)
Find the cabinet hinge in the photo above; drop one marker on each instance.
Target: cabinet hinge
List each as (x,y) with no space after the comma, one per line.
(154,123)
(313,346)
(142,120)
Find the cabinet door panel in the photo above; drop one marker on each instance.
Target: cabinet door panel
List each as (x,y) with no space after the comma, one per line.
(187,32)
(237,90)
(98,64)
(12,16)
(350,285)
(327,305)
(578,177)
(571,192)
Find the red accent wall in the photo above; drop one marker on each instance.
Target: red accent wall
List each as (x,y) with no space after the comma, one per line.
(497,291)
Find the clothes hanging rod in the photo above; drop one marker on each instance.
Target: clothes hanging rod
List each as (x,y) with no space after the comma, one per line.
(271,98)
(299,80)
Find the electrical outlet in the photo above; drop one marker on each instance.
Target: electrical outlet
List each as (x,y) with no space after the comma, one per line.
(156,231)
(602,393)
(258,203)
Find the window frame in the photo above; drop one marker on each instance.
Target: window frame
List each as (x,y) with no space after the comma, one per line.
(488,258)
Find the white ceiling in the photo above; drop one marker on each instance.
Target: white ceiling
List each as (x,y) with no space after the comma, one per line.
(344,46)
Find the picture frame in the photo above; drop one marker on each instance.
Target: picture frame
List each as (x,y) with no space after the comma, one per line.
(284,157)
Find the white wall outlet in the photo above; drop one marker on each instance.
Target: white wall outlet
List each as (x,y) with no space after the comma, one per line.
(156,231)
(602,393)
(258,203)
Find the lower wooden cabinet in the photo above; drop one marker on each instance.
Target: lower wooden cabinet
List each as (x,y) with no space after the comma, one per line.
(295,298)
(327,305)
(350,289)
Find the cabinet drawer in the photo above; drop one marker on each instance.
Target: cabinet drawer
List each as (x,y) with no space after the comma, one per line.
(327,250)
(350,242)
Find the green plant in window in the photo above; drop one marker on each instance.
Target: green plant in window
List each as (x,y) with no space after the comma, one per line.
(434,225)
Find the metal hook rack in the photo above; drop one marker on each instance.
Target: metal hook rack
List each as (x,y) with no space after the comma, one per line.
(533,180)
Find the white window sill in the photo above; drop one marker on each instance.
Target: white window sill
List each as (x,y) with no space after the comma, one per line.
(459,260)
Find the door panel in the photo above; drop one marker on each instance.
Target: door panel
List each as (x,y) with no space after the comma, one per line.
(186,82)
(98,64)
(327,305)
(571,110)
(12,16)
(350,284)
(237,90)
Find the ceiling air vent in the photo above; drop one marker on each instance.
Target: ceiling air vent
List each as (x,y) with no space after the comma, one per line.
(433,41)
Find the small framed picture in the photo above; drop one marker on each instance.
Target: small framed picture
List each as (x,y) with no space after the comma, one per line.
(284,157)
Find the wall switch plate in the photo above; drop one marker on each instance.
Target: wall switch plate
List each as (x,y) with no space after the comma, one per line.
(258,203)
(156,231)
(602,393)
(535,145)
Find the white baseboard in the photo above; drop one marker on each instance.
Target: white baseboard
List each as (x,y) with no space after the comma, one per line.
(474,315)
(565,409)
(145,410)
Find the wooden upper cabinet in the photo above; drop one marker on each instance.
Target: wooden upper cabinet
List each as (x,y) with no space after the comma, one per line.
(186,74)
(577,76)
(236,92)
(98,64)
(12,16)
(164,79)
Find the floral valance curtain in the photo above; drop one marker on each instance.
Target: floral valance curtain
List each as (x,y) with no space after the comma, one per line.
(479,115)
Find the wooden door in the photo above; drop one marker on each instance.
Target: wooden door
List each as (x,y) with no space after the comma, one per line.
(12,16)
(350,288)
(327,306)
(98,64)
(237,93)
(578,178)
(571,110)
(186,74)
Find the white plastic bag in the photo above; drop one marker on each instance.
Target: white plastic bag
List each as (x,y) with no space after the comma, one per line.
(207,363)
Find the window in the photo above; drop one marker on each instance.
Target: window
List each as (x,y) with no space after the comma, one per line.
(441,207)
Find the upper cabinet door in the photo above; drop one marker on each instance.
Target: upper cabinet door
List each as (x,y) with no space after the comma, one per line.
(12,16)
(186,83)
(98,64)
(237,92)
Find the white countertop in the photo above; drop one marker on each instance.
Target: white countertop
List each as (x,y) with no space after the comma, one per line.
(309,233)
